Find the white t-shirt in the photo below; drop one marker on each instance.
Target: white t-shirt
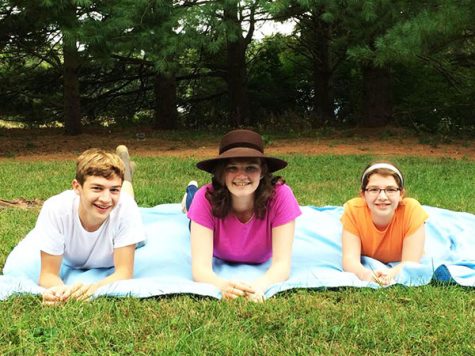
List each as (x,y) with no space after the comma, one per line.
(59,231)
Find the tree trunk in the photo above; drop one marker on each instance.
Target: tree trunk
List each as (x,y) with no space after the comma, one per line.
(165,116)
(377,101)
(236,77)
(322,73)
(71,61)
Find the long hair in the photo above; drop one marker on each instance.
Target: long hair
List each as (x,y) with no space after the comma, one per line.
(220,197)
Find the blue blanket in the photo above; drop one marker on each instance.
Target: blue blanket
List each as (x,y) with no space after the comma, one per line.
(163,265)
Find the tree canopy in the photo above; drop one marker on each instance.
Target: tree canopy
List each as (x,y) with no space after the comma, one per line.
(198,64)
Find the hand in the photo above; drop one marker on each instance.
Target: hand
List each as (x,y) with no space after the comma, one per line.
(235,289)
(80,291)
(384,277)
(56,295)
(256,297)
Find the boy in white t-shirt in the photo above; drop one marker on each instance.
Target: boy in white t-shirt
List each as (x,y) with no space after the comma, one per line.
(91,226)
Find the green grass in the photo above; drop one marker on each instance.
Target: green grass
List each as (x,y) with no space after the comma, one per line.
(423,320)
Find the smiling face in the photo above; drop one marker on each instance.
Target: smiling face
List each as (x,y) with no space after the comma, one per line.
(382,203)
(97,197)
(242,176)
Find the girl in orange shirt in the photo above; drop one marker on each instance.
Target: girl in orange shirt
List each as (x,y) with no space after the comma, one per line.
(381,223)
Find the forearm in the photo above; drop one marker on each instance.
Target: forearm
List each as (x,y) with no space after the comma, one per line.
(397,269)
(278,272)
(207,275)
(358,269)
(48,280)
(118,275)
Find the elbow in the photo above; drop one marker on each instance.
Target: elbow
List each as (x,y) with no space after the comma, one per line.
(285,273)
(41,282)
(125,273)
(197,274)
(348,265)
(344,265)
(282,270)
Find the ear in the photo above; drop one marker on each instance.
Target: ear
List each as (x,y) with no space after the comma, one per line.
(75,184)
(362,194)
(403,191)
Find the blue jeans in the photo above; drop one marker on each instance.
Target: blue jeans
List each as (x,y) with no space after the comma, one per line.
(190,194)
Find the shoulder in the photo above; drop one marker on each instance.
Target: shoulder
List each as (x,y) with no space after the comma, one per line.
(126,200)
(201,192)
(60,201)
(410,202)
(204,188)
(282,193)
(411,206)
(282,189)
(126,209)
(200,202)
(355,203)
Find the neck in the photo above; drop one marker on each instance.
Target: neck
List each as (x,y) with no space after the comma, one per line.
(242,204)
(381,223)
(87,224)
(243,208)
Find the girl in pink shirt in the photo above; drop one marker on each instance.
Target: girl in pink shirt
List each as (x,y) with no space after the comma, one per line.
(246,215)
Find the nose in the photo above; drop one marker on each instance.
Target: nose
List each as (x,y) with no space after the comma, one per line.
(105,196)
(241,171)
(382,191)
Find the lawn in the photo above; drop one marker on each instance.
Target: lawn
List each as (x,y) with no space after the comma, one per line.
(423,320)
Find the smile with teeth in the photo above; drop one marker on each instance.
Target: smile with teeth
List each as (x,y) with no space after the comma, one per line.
(100,207)
(241,184)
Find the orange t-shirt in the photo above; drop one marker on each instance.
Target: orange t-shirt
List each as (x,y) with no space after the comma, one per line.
(386,245)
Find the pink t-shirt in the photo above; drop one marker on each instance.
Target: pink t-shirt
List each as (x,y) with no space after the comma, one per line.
(249,242)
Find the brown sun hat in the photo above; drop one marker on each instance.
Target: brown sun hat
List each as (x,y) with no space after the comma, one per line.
(241,144)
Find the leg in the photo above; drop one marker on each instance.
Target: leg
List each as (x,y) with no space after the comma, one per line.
(127,186)
(190,192)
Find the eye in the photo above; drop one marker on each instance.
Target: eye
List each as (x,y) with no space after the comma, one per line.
(392,190)
(115,190)
(252,169)
(372,190)
(96,189)
(231,169)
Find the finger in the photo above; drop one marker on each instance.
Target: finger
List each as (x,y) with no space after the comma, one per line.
(71,290)
(49,299)
(48,296)
(256,298)
(85,296)
(78,292)
(230,296)
(377,279)
(243,287)
(49,303)
(238,292)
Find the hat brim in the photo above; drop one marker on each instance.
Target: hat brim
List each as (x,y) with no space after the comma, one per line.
(274,164)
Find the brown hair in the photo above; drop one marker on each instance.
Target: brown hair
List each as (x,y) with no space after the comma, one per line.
(96,162)
(382,171)
(220,197)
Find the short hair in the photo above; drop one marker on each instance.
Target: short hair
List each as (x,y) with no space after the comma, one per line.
(386,170)
(99,163)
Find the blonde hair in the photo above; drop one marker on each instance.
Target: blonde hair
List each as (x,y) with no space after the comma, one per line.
(99,163)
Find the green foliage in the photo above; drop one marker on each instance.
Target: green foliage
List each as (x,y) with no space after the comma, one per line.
(426,46)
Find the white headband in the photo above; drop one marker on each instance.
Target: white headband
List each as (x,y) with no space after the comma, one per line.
(382,165)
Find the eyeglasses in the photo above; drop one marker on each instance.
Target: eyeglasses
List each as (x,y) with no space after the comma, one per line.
(389,191)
